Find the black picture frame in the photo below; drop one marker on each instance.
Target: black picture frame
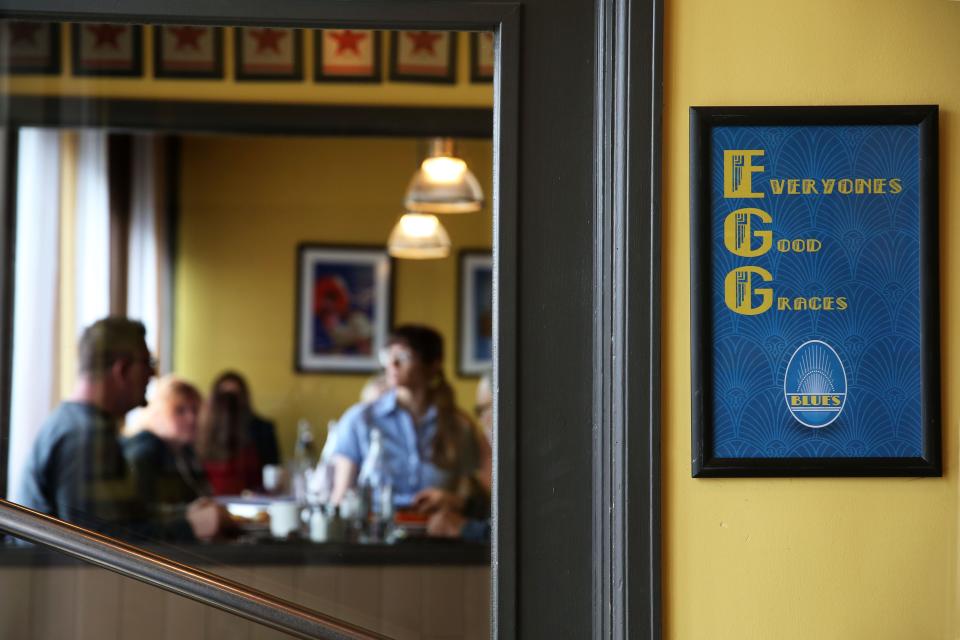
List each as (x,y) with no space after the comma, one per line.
(705,463)
(470,262)
(397,75)
(477,75)
(296,73)
(136,63)
(53,65)
(375,78)
(372,257)
(160,71)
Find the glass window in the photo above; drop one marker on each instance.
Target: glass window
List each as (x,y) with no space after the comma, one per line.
(251,318)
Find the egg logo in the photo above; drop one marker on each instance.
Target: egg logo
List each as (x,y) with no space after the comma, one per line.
(815,384)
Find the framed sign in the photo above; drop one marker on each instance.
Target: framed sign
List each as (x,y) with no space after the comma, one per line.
(476,313)
(815,308)
(343,308)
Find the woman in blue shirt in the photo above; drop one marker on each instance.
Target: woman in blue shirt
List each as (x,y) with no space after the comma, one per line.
(436,456)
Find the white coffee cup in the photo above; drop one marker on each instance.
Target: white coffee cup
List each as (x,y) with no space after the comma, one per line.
(284,518)
(273,478)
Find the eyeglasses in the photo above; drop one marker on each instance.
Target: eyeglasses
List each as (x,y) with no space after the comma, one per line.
(395,356)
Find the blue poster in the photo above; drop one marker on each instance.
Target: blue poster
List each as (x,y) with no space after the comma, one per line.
(815,331)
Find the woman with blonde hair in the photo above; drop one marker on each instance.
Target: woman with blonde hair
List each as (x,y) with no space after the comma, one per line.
(160,451)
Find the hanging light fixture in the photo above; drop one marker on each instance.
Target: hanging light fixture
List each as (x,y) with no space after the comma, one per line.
(418,236)
(443,183)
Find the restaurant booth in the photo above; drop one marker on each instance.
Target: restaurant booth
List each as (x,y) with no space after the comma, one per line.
(610,517)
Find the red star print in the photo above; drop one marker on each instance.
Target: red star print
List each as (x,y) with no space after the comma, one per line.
(267,39)
(187,37)
(347,40)
(106,34)
(424,40)
(24,32)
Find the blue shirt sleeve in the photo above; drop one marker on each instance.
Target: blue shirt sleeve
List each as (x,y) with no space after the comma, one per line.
(352,434)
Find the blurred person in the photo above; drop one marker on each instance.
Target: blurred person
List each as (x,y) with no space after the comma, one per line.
(76,470)
(262,432)
(433,450)
(160,449)
(484,407)
(225,446)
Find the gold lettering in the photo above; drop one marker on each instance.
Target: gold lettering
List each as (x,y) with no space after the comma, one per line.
(738,231)
(738,170)
(828,185)
(841,304)
(879,184)
(845,186)
(793,186)
(739,291)
(809,186)
(895,186)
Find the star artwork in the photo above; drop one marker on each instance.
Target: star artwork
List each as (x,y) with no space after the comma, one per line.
(186,51)
(107,49)
(31,47)
(481,56)
(347,54)
(266,53)
(424,55)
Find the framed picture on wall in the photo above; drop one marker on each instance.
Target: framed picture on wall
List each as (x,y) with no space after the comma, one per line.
(187,51)
(105,49)
(423,56)
(481,56)
(344,308)
(266,53)
(815,319)
(475,332)
(346,55)
(32,48)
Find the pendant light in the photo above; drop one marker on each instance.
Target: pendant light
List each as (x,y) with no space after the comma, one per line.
(443,183)
(418,236)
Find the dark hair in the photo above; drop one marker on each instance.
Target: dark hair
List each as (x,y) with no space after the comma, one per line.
(427,344)
(108,340)
(237,378)
(424,341)
(223,427)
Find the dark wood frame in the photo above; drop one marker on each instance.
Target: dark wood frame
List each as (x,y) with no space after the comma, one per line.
(52,69)
(601,578)
(318,75)
(185,74)
(398,76)
(302,248)
(462,296)
(294,76)
(702,120)
(475,75)
(136,36)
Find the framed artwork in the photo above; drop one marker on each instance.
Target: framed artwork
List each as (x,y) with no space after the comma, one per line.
(344,308)
(105,49)
(265,53)
(476,313)
(187,51)
(815,320)
(481,56)
(423,56)
(347,55)
(33,48)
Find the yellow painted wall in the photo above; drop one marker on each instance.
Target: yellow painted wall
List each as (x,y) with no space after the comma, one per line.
(387,93)
(798,558)
(245,205)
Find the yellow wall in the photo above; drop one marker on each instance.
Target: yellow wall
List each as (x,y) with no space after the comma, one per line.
(462,94)
(245,205)
(806,558)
